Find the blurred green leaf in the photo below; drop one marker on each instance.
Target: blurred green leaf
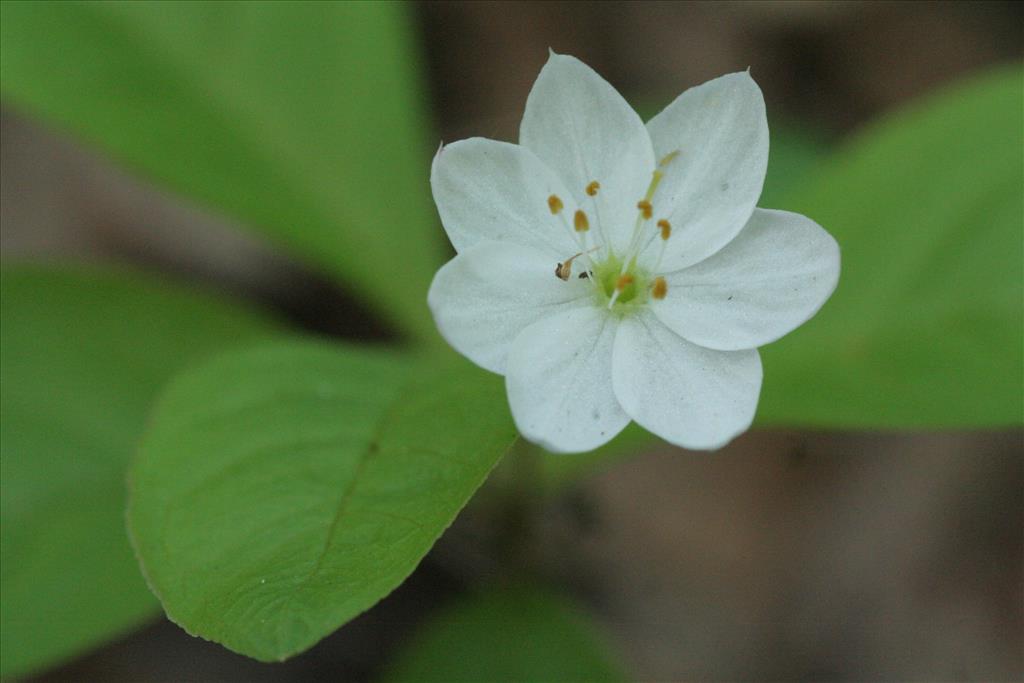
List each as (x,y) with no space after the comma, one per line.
(303,120)
(514,635)
(84,353)
(281,491)
(794,154)
(926,328)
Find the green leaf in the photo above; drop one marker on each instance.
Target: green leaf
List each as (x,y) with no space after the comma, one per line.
(926,328)
(303,120)
(793,155)
(84,353)
(517,634)
(281,491)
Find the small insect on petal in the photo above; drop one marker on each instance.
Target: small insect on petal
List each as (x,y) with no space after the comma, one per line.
(593,187)
(666,229)
(625,280)
(555,204)
(660,288)
(645,208)
(580,222)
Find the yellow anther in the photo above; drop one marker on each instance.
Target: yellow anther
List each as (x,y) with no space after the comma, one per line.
(625,280)
(645,208)
(666,229)
(667,159)
(580,222)
(592,187)
(660,288)
(555,204)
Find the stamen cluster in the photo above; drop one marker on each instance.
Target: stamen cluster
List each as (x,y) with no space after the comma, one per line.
(622,285)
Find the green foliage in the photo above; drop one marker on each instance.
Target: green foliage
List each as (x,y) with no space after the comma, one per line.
(281,491)
(84,352)
(926,328)
(515,635)
(303,120)
(794,155)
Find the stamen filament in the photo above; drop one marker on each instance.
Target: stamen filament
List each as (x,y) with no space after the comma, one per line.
(667,159)
(655,181)
(661,255)
(592,189)
(580,237)
(646,209)
(564,270)
(624,281)
(630,255)
(664,231)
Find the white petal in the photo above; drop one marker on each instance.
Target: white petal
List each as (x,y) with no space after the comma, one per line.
(490,190)
(688,395)
(771,279)
(484,297)
(583,129)
(559,381)
(710,188)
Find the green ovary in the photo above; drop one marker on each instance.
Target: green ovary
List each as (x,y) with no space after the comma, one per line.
(607,275)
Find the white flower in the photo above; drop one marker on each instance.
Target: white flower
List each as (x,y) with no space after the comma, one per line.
(615,271)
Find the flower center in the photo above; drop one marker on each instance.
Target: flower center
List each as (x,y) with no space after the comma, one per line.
(618,282)
(623,286)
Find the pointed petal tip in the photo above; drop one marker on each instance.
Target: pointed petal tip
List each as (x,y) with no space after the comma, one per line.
(745,75)
(560,59)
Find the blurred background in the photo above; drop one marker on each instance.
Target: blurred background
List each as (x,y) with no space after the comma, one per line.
(789,555)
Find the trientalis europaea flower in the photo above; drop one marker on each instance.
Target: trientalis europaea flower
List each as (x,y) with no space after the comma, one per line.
(615,271)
